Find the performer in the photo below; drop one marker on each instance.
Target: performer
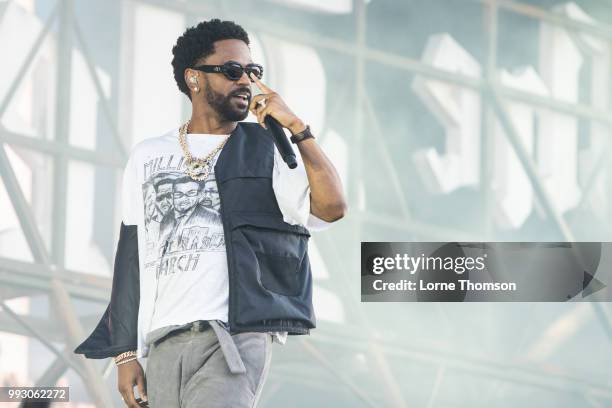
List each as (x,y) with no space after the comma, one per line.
(222,225)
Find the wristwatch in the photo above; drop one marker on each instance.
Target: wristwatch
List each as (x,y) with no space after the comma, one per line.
(303,135)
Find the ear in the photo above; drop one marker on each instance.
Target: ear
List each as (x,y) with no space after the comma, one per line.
(191,79)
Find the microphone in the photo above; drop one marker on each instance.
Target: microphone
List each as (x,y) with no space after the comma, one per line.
(281,141)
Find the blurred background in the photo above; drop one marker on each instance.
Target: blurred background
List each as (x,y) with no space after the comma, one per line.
(471,120)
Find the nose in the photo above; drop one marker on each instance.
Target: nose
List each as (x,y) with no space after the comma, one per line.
(244,79)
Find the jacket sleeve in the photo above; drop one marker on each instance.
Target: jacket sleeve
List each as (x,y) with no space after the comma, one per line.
(117,331)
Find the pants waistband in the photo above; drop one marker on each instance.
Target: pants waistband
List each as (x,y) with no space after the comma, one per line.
(200,325)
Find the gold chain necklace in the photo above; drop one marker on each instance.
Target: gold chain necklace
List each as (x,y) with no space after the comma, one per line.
(197,169)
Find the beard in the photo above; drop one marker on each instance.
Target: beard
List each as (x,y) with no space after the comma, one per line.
(222,104)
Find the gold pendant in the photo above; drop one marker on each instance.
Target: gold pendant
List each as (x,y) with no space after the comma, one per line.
(197,170)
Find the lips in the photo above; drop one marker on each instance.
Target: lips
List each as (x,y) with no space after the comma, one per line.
(243,96)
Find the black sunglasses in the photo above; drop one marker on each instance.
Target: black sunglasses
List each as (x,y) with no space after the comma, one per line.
(233,70)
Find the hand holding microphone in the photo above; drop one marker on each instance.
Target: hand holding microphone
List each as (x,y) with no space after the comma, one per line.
(274,115)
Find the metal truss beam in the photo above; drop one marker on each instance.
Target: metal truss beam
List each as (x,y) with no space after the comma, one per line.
(74,334)
(19,76)
(56,369)
(530,168)
(104,102)
(9,292)
(51,147)
(314,352)
(59,295)
(388,160)
(591,180)
(594,28)
(63,102)
(420,228)
(314,381)
(290,33)
(24,213)
(395,397)
(37,334)
(488,366)
(487,144)
(51,330)
(38,277)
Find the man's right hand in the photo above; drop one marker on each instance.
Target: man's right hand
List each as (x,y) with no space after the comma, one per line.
(129,375)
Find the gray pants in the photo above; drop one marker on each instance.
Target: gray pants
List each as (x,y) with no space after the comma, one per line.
(202,367)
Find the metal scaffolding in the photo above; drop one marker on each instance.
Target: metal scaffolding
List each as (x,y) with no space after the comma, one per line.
(48,274)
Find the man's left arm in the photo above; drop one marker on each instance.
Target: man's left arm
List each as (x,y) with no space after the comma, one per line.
(327,200)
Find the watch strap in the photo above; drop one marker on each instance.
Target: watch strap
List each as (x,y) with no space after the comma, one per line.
(303,135)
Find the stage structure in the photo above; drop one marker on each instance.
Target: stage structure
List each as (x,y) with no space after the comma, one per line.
(471,120)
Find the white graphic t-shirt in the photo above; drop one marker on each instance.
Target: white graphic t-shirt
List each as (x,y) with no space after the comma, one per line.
(183,263)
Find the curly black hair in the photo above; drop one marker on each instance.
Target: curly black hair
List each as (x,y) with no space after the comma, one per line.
(198,42)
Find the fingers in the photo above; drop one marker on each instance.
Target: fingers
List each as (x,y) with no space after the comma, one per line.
(142,387)
(261,115)
(262,87)
(259,109)
(128,397)
(255,100)
(273,106)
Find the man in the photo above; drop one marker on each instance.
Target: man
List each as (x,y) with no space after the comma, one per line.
(189,212)
(163,191)
(187,195)
(151,210)
(211,195)
(152,217)
(206,312)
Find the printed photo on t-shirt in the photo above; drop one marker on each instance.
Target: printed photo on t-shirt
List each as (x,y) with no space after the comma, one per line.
(181,216)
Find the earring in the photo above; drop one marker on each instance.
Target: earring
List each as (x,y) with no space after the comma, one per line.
(194,80)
